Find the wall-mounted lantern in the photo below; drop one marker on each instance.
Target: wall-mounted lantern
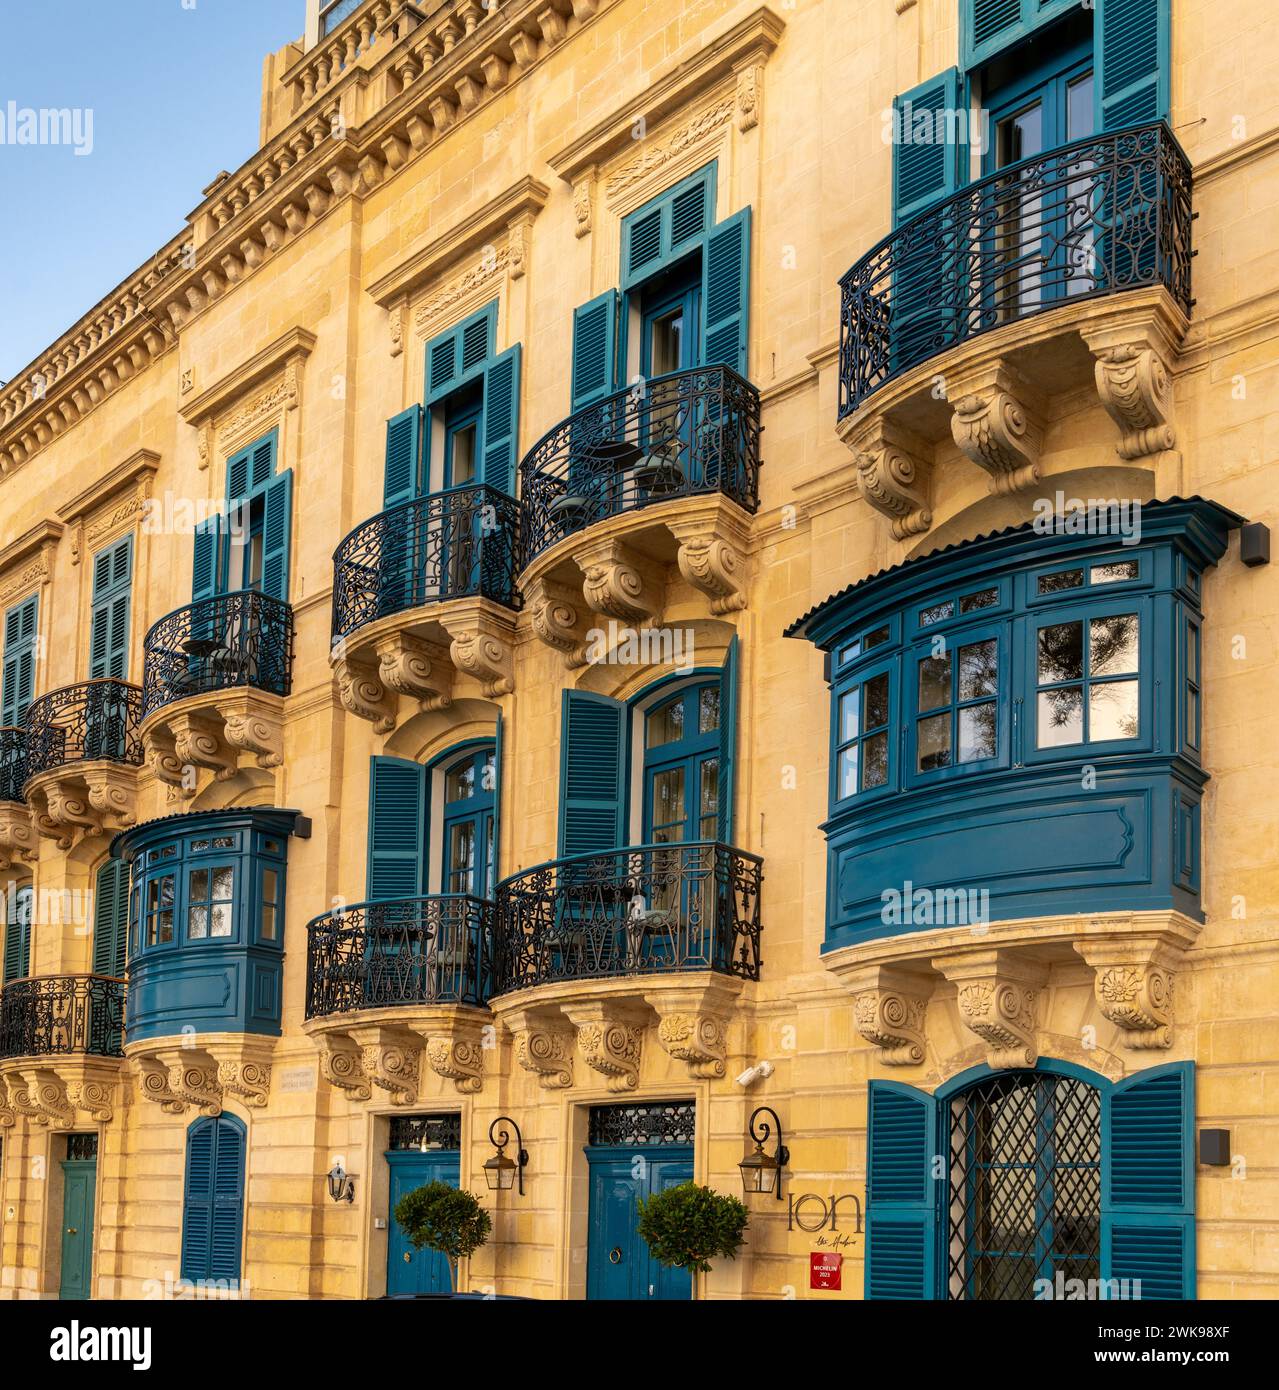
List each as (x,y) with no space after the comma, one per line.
(341,1184)
(762,1172)
(500,1172)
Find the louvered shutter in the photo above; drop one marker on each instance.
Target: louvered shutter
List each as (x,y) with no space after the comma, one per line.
(901,1209)
(277,526)
(728,696)
(228,1200)
(1133,58)
(17,934)
(238,474)
(402,479)
(594,350)
(22,623)
(208,567)
(925,168)
(1148,1182)
(111,919)
(498,753)
(501,420)
(592,774)
(667,227)
(397,828)
(459,354)
(726,293)
(988,27)
(197,1200)
(109,626)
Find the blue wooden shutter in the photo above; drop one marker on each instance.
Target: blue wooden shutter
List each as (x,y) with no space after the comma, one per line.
(901,1210)
(238,474)
(728,686)
(228,1200)
(670,225)
(21,627)
(397,828)
(17,933)
(501,420)
(1148,1181)
(592,774)
(208,568)
(726,276)
(277,527)
(988,27)
(111,918)
(497,799)
(197,1201)
(402,480)
(459,354)
(109,626)
(594,350)
(1133,60)
(927,169)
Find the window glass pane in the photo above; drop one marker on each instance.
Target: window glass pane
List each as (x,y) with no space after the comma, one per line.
(488,778)
(1063,579)
(850,650)
(877,637)
(198,885)
(977,732)
(1192,651)
(1079,108)
(224,883)
(978,669)
(668,801)
(710,794)
(850,714)
(876,692)
(164,931)
(198,845)
(1061,716)
(934,682)
(1112,645)
(463,456)
(1113,573)
(665,724)
(938,613)
(708,710)
(197,923)
(270,896)
(934,743)
(875,761)
(984,598)
(224,842)
(1112,710)
(1061,652)
(848,770)
(220,919)
(459,784)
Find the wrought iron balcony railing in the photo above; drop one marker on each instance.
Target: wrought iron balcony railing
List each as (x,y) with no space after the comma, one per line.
(98,720)
(682,435)
(220,643)
(398,952)
(453,544)
(652,909)
(62,1015)
(13,764)
(1092,218)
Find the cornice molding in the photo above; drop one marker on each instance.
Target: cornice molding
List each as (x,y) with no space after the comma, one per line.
(518,204)
(42,534)
(142,463)
(751,40)
(296,344)
(113,501)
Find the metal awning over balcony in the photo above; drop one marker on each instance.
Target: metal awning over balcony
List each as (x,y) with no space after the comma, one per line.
(1093,218)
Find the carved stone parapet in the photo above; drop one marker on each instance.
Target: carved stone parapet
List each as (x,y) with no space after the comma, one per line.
(362,693)
(610,1038)
(998,426)
(1133,984)
(889,1009)
(998,994)
(413,667)
(894,475)
(18,838)
(556,613)
(617,583)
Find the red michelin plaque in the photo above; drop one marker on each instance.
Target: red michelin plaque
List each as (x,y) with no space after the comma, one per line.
(824,1269)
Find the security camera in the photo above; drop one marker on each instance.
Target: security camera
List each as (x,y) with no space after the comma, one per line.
(761,1071)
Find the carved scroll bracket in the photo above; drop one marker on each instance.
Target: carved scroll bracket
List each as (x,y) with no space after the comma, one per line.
(998,994)
(894,475)
(998,424)
(889,1010)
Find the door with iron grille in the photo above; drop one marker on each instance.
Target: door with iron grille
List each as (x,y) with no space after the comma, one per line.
(422,1149)
(1024,1200)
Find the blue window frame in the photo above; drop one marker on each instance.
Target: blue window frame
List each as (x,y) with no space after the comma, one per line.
(462,414)
(469,859)
(681,766)
(958,683)
(865,762)
(670,318)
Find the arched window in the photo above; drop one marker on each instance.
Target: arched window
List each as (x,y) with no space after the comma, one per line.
(681,786)
(213,1200)
(469,860)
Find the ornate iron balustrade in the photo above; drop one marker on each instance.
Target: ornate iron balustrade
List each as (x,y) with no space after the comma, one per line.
(13,764)
(1092,218)
(653,909)
(84,723)
(451,544)
(403,951)
(220,643)
(61,1015)
(682,435)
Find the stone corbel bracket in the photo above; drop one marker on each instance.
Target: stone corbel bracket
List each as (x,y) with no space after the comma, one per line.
(410,666)
(226,729)
(340,1065)
(544,1046)
(1133,984)
(610,1039)
(998,993)
(619,583)
(693,1023)
(889,1009)
(7,1116)
(390,1058)
(175,1077)
(41,1095)
(712,554)
(894,474)
(1133,361)
(253,725)
(481,643)
(362,693)
(453,1045)
(18,838)
(998,424)
(83,801)
(556,614)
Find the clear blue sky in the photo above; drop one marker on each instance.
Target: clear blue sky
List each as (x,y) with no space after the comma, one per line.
(175,90)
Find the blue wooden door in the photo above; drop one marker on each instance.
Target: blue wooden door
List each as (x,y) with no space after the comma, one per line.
(618,1265)
(409,1270)
(79,1185)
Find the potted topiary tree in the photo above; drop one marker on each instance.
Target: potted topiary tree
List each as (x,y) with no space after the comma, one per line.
(688,1226)
(439,1217)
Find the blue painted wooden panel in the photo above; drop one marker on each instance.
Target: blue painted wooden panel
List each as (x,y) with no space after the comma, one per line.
(409,1270)
(618,1265)
(79,1187)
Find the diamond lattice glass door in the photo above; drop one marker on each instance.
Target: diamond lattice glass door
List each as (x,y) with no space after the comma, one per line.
(1025,1185)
